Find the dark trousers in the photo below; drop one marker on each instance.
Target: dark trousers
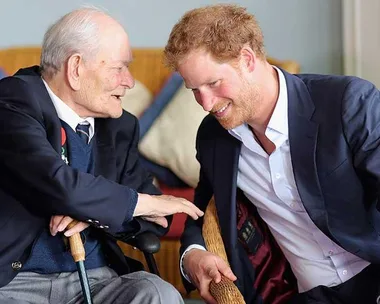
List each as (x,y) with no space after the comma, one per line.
(364,288)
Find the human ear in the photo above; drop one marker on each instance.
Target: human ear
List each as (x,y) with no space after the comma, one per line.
(74,70)
(248,59)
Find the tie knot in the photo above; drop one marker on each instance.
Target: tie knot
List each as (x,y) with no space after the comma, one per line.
(83,131)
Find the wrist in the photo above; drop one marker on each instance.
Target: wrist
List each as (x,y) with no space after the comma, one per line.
(182,266)
(141,206)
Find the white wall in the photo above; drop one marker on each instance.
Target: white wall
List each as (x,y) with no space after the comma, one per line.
(361,45)
(308,31)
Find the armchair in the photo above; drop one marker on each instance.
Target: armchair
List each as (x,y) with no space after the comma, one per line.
(149,244)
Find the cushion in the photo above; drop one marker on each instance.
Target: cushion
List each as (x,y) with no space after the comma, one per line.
(159,103)
(137,100)
(170,141)
(2,73)
(146,120)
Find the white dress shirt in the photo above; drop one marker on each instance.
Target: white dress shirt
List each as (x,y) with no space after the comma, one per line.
(268,182)
(68,115)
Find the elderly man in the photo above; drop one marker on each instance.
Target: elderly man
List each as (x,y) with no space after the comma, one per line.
(304,151)
(68,151)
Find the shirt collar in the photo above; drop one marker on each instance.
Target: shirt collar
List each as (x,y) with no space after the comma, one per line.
(68,115)
(279,118)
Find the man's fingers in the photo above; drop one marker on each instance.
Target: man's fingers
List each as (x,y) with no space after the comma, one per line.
(191,210)
(163,205)
(162,221)
(59,223)
(76,229)
(209,299)
(64,223)
(159,220)
(182,205)
(204,291)
(214,274)
(226,271)
(197,211)
(54,223)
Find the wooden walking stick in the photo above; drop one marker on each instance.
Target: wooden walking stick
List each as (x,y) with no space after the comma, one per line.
(78,253)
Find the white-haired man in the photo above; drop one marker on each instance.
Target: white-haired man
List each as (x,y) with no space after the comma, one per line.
(68,151)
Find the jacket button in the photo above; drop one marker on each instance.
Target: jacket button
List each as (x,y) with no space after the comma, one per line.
(16,265)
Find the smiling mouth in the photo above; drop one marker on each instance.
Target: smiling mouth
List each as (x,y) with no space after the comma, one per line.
(117,96)
(219,113)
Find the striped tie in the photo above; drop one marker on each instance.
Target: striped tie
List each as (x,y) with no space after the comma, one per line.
(83,131)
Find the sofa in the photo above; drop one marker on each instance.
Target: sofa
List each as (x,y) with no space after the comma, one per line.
(167,135)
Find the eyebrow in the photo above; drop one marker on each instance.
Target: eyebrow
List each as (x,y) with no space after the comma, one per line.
(127,62)
(207,82)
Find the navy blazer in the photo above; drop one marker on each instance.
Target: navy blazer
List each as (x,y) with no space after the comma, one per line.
(334,137)
(35,183)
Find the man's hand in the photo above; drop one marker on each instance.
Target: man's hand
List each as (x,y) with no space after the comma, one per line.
(154,208)
(59,223)
(202,267)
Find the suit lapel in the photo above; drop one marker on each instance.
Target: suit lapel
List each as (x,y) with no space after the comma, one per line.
(303,134)
(105,162)
(49,114)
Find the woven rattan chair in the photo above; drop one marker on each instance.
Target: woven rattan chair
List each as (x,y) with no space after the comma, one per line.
(225,292)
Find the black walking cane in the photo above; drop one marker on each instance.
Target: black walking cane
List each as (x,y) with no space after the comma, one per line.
(78,253)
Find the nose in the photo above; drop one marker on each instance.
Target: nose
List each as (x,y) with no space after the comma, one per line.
(205,99)
(127,79)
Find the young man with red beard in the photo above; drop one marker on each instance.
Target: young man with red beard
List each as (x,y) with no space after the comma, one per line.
(302,149)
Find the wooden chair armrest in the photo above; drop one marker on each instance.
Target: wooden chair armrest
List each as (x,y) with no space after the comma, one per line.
(225,292)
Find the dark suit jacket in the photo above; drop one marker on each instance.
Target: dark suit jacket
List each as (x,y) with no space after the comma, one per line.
(36,184)
(334,136)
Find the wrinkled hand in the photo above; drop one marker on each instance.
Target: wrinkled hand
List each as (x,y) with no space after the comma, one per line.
(59,223)
(202,267)
(154,208)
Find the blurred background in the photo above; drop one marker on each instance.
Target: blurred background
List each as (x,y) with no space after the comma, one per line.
(307,31)
(324,36)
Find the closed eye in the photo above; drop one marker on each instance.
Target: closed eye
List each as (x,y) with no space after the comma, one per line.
(213,84)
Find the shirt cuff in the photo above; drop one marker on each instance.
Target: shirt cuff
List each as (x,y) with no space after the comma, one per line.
(194,246)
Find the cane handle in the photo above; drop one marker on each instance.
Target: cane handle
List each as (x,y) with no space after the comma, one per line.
(76,244)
